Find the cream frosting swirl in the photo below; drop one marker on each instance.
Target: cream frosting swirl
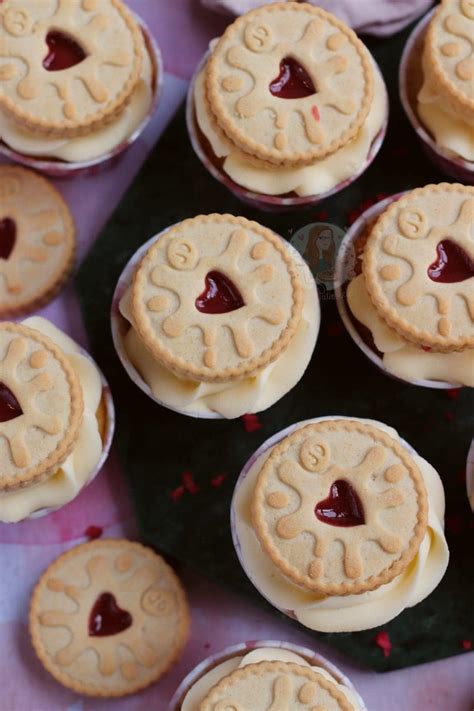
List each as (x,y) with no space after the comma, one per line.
(347,613)
(314,179)
(234,398)
(65,484)
(449,129)
(95,144)
(404,359)
(201,688)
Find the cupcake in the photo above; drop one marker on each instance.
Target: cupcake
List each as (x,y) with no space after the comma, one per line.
(437,86)
(37,241)
(108,618)
(288,106)
(216,317)
(412,299)
(339,524)
(56,419)
(86,84)
(266,672)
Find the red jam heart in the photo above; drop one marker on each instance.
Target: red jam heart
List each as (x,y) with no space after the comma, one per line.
(64,52)
(9,405)
(342,507)
(293,81)
(220,295)
(107,618)
(452,265)
(7,237)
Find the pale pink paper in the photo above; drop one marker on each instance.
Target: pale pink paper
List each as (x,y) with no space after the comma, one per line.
(374,17)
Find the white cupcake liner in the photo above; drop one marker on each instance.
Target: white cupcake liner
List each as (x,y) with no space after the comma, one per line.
(358,227)
(57,168)
(106,444)
(238,650)
(454,166)
(470,476)
(272,203)
(265,447)
(120,326)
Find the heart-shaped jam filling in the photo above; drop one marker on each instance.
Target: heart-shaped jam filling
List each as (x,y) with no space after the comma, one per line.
(293,81)
(64,52)
(7,237)
(107,618)
(342,507)
(10,408)
(220,295)
(452,265)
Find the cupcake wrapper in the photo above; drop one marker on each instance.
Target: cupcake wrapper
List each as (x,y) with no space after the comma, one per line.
(120,327)
(356,229)
(63,169)
(269,444)
(460,170)
(107,443)
(268,203)
(240,649)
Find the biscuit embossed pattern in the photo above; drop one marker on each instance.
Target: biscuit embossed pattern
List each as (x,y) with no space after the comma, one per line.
(247,313)
(450,53)
(368,528)
(92,75)
(125,615)
(419,266)
(276,686)
(36,379)
(37,241)
(273,100)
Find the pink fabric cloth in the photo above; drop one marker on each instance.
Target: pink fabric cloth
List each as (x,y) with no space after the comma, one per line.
(374,17)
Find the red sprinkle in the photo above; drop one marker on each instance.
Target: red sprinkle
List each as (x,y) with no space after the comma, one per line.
(466,644)
(251,423)
(353,215)
(453,524)
(321,215)
(218,480)
(401,151)
(364,205)
(336,329)
(426,348)
(93,532)
(453,394)
(315,112)
(382,640)
(177,493)
(189,483)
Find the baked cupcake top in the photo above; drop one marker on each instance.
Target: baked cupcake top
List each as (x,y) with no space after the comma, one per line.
(276,685)
(340,507)
(41,406)
(67,67)
(289,83)
(450,53)
(217,298)
(37,240)
(108,618)
(418,266)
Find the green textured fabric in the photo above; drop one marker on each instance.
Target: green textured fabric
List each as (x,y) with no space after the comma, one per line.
(156,446)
